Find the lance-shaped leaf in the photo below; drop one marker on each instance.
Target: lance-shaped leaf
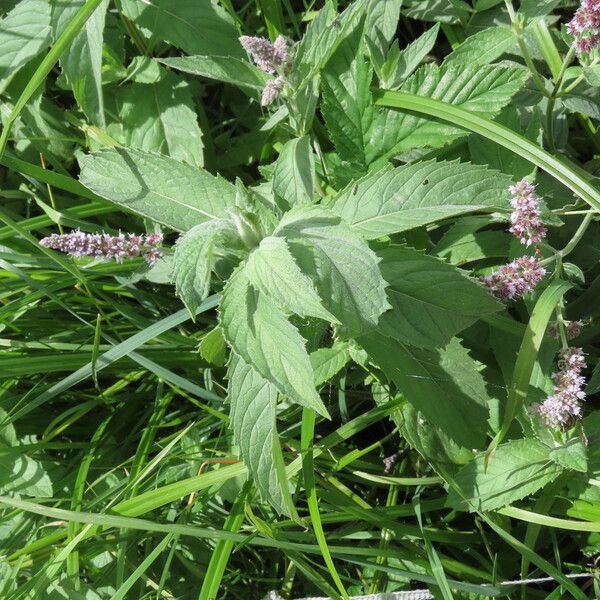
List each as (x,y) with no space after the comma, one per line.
(253,420)
(520,468)
(158,187)
(343,267)
(431,300)
(272,270)
(82,61)
(260,333)
(418,194)
(483,48)
(294,176)
(445,385)
(194,258)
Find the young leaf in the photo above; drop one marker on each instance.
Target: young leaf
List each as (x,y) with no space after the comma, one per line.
(412,56)
(431,300)
(445,385)
(345,270)
(161,118)
(327,362)
(253,420)
(221,68)
(24,32)
(259,333)
(195,26)
(158,187)
(520,468)
(382,22)
(194,259)
(418,194)
(482,48)
(272,270)
(294,176)
(82,62)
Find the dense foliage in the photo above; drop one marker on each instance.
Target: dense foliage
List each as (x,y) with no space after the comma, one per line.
(299,296)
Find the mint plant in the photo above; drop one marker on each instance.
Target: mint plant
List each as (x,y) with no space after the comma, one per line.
(313,269)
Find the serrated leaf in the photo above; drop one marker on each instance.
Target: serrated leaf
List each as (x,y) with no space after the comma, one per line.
(444,385)
(323,35)
(194,259)
(345,270)
(520,468)
(195,26)
(412,56)
(158,187)
(294,176)
(444,11)
(253,420)
(482,48)
(537,8)
(161,118)
(366,136)
(82,61)
(271,269)
(24,32)
(573,455)
(327,362)
(221,68)
(212,347)
(418,194)
(259,333)
(431,300)
(382,22)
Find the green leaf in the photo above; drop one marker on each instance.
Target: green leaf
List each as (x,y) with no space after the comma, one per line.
(294,176)
(482,48)
(324,34)
(327,362)
(195,26)
(382,22)
(573,455)
(161,118)
(537,8)
(212,347)
(418,194)
(345,270)
(580,103)
(253,420)
(25,476)
(221,68)
(366,137)
(24,32)
(194,260)
(573,177)
(272,270)
(412,56)
(82,62)
(259,332)
(444,385)
(431,300)
(520,468)
(158,187)
(444,11)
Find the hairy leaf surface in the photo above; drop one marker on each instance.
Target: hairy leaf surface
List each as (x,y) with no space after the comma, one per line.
(444,385)
(431,300)
(294,176)
(418,194)
(482,48)
(155,186)
(253,420)
(260,333)
(343,267)
(519,468)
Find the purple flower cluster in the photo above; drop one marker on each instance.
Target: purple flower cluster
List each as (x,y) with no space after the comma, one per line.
(573,329)
(271,91)
(267,56)
(105,246)
(585,26)
(564,403)
(526,218)
(515,279)
(270,57)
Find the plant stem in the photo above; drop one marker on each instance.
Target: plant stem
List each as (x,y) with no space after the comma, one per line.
(552,100)
(574,241)
(518,29)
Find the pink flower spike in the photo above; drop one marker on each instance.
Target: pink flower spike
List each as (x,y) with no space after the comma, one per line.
(515,279)
(271,91)
(105,246)
(526,218)
(585,26)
